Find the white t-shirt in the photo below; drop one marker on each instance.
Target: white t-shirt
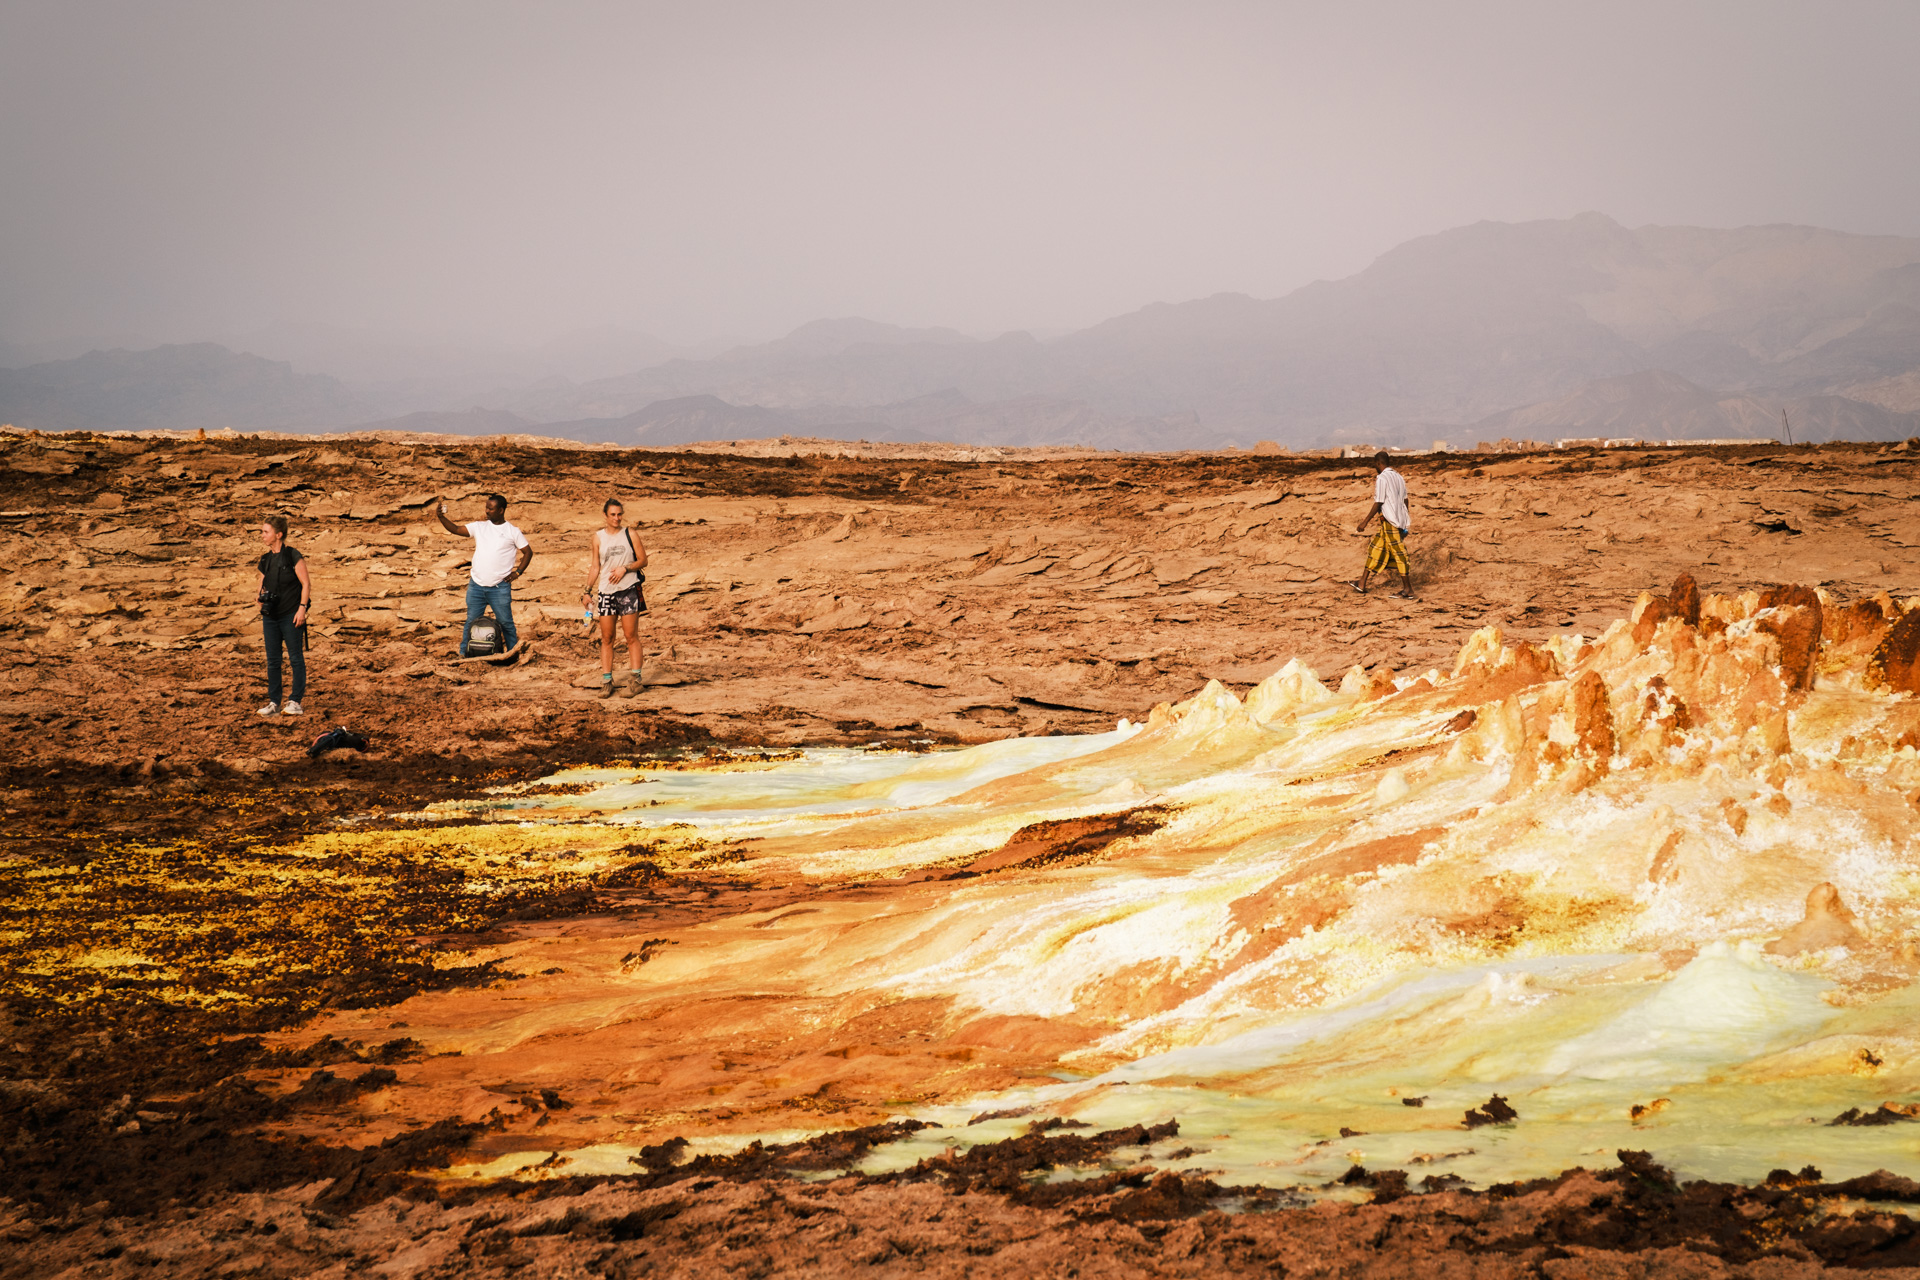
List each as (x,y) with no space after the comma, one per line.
(495,548)
(1390,491)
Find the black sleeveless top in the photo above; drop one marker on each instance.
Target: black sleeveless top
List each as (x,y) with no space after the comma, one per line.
(281,583)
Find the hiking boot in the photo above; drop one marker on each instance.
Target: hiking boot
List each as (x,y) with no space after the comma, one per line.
(633,685)
(290,708)
(606,687)
(271,709)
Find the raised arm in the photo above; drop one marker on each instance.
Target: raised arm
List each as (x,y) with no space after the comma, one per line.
(440,509)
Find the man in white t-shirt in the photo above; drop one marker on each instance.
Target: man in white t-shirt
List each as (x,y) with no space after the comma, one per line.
(500,554)
(1388,548)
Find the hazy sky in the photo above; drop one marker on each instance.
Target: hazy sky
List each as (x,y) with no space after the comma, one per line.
(187,169)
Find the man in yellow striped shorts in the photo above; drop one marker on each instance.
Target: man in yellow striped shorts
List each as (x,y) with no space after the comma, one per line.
(1388,549)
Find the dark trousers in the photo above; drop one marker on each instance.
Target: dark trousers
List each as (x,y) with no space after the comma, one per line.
(279,631)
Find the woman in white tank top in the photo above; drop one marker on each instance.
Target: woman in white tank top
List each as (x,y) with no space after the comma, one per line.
(614,591)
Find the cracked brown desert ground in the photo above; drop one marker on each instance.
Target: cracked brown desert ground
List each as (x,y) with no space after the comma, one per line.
(268,1014)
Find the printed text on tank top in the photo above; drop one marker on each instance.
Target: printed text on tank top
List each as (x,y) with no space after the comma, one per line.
(615,549)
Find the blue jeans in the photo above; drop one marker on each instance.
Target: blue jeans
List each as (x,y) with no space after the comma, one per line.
(279,631)
(500,596)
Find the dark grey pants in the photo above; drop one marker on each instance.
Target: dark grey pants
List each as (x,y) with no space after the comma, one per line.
(279,631)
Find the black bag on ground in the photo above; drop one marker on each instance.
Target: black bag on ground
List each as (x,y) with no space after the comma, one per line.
(336,738)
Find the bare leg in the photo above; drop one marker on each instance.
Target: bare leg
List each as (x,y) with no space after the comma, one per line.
(606,656)
(606,643)
(632,623)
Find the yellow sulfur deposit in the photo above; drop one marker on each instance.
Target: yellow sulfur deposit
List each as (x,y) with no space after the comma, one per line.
(1656,889)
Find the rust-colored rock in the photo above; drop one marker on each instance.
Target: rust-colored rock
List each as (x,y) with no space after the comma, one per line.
(1656,610)
(1682,601)
(1827,923)
(1863,621)
(1684,598)
(1522,666)
(1895,664)
(1664,707)
(1796,625)
(1593,719)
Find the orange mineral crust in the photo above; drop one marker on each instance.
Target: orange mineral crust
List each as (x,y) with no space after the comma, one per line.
(1677,856)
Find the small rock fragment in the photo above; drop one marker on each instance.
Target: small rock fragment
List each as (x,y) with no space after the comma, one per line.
(1807,1177)
(1886,1113)
(1495,1111)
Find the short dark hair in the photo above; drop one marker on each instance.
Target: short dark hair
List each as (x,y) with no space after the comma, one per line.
(1381,459)
(275,521)
(611,503)
(500,498)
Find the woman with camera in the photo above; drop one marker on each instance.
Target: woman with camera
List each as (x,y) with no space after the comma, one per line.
(285,591)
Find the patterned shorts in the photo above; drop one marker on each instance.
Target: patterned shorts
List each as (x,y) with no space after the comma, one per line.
(1386,551)
(621,603)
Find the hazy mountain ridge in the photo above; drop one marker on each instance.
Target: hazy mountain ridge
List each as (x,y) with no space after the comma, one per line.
(399,374)
(943,417)
(181,386)
(1657,404)
(1502,328)
(838,364)
(1445,329)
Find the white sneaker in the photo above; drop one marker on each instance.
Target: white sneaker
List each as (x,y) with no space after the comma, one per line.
(271,709)
(290,709)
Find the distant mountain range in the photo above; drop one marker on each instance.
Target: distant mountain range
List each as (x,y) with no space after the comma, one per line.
(1661,405)
(193,385)
(1572,327)
(947,416)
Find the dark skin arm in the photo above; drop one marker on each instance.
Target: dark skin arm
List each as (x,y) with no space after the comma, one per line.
(496,511)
